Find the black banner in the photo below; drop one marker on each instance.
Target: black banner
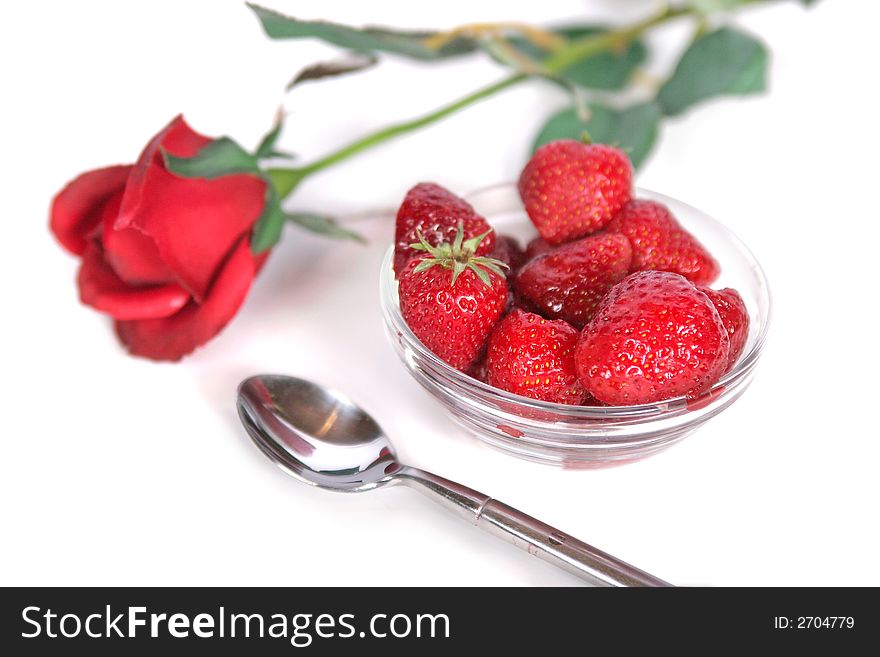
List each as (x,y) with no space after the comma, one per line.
(272,621)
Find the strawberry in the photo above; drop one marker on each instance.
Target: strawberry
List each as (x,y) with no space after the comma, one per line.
(655,336)
(660,243)
(478,369)
(732,310)
(570,281)
(571,189)
(536,247)
(451,298)
(534,357)
(589,400)
(436,213)
(508,251)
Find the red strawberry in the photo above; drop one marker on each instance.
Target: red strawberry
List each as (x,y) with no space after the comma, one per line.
(571,189)
(451,298)
(478,369)
(655,336)
(732,310)
(534,357)
(660,243)
(508,251)
(536,247)
(436,212)
(570,281)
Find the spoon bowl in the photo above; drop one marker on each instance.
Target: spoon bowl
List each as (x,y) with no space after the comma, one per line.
(317,435)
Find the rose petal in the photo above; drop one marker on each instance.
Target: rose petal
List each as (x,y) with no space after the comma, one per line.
(194,222)
(76,209)
(132,255)
(102,289)
(173,337)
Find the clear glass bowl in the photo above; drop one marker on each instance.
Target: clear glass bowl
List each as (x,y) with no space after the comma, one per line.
(581,436)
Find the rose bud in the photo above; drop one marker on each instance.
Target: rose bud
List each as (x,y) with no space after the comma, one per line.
(167,257)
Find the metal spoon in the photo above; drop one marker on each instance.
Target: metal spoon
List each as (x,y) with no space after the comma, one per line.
(322,438)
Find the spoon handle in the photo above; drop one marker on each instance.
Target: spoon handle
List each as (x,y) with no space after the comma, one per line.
(528,533)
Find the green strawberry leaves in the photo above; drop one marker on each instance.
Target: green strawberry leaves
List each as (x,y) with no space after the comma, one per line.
(459,256)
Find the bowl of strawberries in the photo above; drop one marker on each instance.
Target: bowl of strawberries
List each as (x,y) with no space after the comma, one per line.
(571,319)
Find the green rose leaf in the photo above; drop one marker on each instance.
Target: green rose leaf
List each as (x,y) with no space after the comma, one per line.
(365,40)
(607,70)
(723,62)
(711,6)
(219,157)
(323,225)
(633,129)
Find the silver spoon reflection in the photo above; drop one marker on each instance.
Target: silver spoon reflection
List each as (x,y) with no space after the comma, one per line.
(322,438)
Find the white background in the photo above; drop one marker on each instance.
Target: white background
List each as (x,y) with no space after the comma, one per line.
(120,471)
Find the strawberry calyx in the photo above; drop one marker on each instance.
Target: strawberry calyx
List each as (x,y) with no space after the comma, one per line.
(459,256)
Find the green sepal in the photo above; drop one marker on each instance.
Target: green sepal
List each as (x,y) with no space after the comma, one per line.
(425,264)
(459,256)
(457,268)
(492,264)
(267,230)
(219,157)
(267,144)
(480,272)
(471,245)
(323,225)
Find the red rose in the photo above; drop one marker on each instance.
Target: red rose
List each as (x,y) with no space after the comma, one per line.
(167,257)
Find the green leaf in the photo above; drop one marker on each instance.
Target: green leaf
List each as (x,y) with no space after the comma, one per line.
(367,39)
(219,157)
(607,70)
(323,225)
(711,6)
(723,62)
(633,129)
